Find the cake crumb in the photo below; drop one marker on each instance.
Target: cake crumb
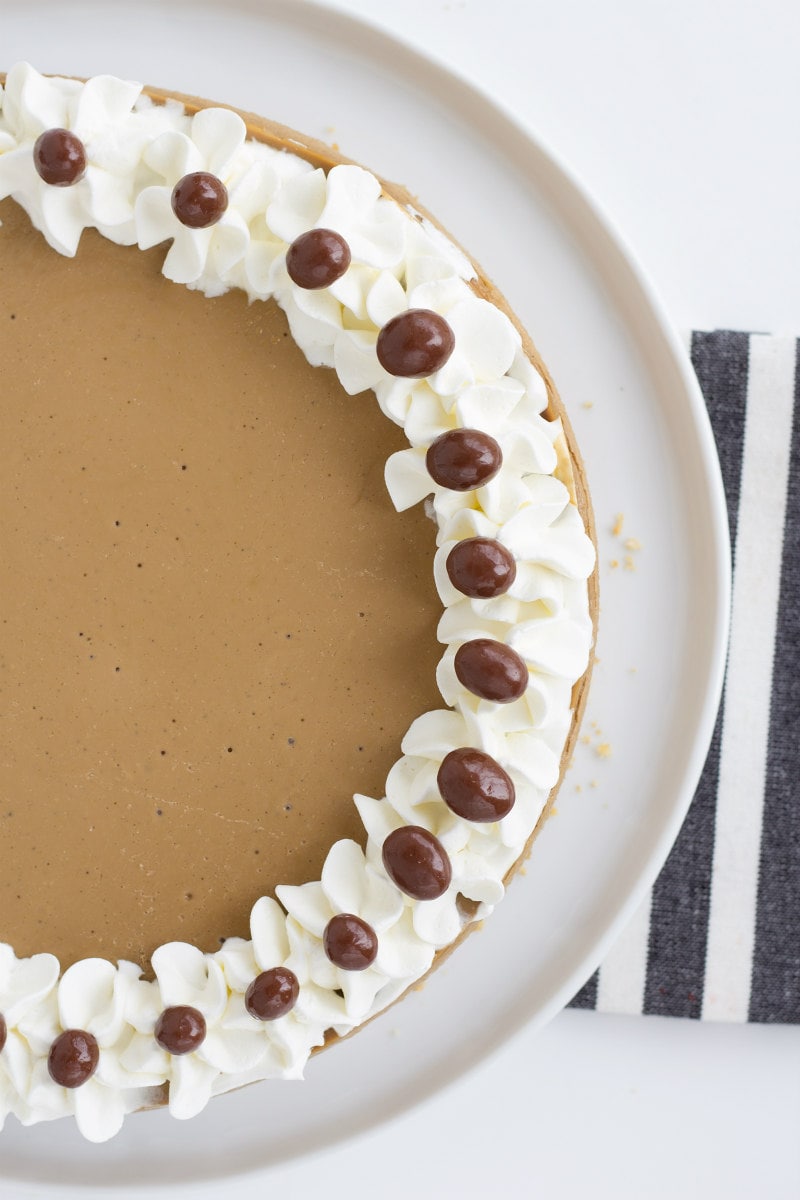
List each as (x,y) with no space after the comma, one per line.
(586,740)
(603,750)
(632,543)
(588,404)
(578,787)
(632,670)
(593,783)
(616,528)
(614,563)
(629,564)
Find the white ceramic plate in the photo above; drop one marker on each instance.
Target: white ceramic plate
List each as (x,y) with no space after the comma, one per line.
(642,427)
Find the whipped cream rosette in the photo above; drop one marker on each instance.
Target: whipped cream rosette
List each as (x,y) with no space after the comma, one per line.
(373,289)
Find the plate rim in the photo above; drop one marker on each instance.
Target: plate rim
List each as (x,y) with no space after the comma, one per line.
(587,219)
(561,178)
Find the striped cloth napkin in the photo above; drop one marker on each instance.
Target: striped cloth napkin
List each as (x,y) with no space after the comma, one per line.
(718,936)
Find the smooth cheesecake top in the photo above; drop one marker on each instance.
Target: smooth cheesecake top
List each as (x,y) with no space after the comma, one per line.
(215,626)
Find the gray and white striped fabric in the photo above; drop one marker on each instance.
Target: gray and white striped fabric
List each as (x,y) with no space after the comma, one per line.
(718,936)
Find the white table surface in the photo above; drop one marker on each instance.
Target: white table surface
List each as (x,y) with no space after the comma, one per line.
(682,121)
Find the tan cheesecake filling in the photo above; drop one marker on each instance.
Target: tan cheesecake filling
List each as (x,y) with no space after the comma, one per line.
(214,626)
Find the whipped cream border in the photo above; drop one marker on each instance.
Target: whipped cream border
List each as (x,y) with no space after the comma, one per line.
(137,150)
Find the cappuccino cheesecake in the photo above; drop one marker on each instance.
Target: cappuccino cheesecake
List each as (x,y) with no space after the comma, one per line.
(299,603)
